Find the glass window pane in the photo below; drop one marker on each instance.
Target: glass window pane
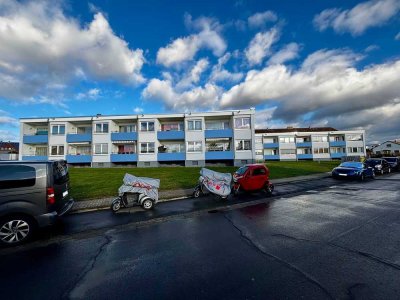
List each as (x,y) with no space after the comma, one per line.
(151,126)
(61,150)
(53,150)
(62,129)
(143,126)
(143,148)
(151,147)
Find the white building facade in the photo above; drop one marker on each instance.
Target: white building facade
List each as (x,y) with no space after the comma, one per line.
(387,148)
(308,144)
(190,139)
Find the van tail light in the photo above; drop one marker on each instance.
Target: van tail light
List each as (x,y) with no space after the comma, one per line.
(50,196)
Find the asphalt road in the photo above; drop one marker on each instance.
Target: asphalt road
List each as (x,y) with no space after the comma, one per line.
(321,240)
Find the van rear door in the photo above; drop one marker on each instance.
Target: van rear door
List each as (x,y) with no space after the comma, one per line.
(60,184)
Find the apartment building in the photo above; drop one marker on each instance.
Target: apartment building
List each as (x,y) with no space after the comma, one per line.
(323,143)
(391,148)
(189,139)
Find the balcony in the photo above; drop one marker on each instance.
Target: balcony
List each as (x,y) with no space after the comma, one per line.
(171,135)
(35,139)
(218,133)
(79,138)
(173,156)
(123,136)
(271,145)
(123,158)
(271,157)
(217,155)
(304,156)
(34,157)
(304,144)
(337,144)
(78,159)
(338,155)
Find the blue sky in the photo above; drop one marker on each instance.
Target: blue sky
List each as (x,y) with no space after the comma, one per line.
(300,63)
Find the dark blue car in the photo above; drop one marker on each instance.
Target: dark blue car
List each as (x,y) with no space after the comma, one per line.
(353,170)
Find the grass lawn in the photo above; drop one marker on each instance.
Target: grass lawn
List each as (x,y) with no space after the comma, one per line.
(91,183)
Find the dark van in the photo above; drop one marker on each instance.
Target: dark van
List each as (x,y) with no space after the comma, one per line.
(32,195)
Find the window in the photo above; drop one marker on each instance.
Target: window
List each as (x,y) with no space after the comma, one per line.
(338,150)
(194,125)
(172,127)
(286,140)
(389,145)
(60,173)
(127,149)
(100,148)
(242,123)
(259,152)
(354,137)
(195,146)
(270,140)
(321,150)
(259,171)
(83,130)
(101,128)
(42,131)
(337,138)
(303,151)
(215,125)
(57,150)
(127,128)
(288,151)
(81,150)
(171,148)
(355,149)
(147,147)
(57,129)
(270,151)
(13,176)
(218,145)
(195,163)
(147,126)
(320,138)
(243,145)
(41,151)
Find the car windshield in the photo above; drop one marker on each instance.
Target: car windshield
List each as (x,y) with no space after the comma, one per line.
(242,170)
(391,159)
(373,161)
(351,164)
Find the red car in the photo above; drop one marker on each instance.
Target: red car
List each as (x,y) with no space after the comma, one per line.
(251,178)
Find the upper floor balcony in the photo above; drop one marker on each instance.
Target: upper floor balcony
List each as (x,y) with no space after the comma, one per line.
(171,135)
(218,133)
(35,139)
(304,144)
(78,159)
(34,157)
(337,143)
(119,157)
(123,136)
(79,137)
(219,155)
(271,145)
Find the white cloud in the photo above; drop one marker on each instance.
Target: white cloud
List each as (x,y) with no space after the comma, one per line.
(259,19)
(372,48)
(397,37)
(192,76)
(138,110)
(64,50)
(185,48)
(91,94)
(8,135)
(6,120)
(260,45)
(357,20)
(287,53)
(220,74)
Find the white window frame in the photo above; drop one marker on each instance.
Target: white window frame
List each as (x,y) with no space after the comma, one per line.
(58,152)
(195,121)
(103,148)
(102,125)
(242,126)
(58,129)
(147,148)
(147,126)
(195,146)
(237,142)
(134,126)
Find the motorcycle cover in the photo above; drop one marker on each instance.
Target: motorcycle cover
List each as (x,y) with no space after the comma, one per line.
(142,185)
(215,182)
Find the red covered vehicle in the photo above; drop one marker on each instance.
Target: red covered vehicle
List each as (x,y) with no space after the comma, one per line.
(251,178)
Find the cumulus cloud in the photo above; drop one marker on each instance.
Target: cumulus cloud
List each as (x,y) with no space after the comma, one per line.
(8,135)
(287,53)
(42,49)
(220,74)
(138,110)
(259,19)
(327,85)
(357,20)
(259,47)
(91,94)
(397,37)
(183,49)
(6,120)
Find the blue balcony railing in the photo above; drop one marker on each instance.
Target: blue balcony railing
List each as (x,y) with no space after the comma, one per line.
(304,144)
(337,143)
(271,145)
(35,139)
(216,155)
(271,157)
(123,158)
(338,155)
(304,156)
(171,156)
(171,135)
(123,136)
(34,157)
(79,138)
(218,133)
(78,159)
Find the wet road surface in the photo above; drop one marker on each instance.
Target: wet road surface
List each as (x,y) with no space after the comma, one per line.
(335,241)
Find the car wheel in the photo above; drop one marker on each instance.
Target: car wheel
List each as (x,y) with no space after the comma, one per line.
(15,230)
(148,204)
(382,172)
(389,170)
(362,177)
(373,175)
(269,188)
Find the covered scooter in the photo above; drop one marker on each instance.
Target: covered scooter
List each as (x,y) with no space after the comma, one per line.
(218,184)
(141,191)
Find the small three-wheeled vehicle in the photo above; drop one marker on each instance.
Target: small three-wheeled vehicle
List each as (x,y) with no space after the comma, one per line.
(141,191)
(251,178)
(215,183)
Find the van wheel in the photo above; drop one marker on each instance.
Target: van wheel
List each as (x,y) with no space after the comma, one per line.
(15,230)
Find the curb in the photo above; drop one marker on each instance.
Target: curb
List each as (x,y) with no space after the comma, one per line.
(174,195)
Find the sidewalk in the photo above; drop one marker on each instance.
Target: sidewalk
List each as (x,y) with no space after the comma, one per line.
(172,195)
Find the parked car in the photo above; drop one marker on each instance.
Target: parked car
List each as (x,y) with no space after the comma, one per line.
(394,162)
(32,195)
(353,170)
(254,177)
(380,165)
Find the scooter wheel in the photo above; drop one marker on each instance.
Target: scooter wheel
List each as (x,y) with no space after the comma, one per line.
(116,205)
(196,193)
(148,204)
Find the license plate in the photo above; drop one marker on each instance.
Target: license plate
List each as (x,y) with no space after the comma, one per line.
(65,194)
(342,174)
